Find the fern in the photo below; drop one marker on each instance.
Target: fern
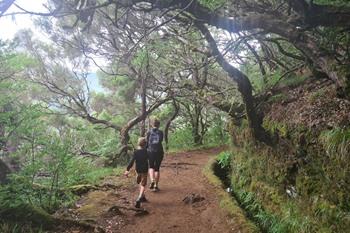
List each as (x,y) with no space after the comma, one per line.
(224,159)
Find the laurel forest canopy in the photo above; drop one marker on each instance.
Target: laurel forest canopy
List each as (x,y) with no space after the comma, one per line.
(213,72)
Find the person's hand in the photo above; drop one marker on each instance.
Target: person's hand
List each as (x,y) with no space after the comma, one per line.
(126,173)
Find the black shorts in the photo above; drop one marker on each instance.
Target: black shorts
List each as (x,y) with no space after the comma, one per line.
(155,159)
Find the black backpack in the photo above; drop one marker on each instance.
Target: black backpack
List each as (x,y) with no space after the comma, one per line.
(154,140)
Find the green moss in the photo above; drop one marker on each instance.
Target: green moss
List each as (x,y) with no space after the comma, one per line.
(260,174)
(212,4)
(278,98)
(317,95)
(276,127)
(10,227)
(336,142)
(95,203)
(227,203)
(28,213)
(293,81)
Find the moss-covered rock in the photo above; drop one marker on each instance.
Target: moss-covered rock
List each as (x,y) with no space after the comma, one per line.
(28,213)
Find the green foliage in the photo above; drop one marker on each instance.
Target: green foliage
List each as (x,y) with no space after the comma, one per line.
(333,2)
(259,176)
(257,80)
(216,135)
(224,159)
(141,58)
(49,192)
(292,81)
(49,164)
(278,98)
(62,168)
(6,227)
(122,87)
(276,127)
(181,139)
(287,219)
(19,61)
(272,79)
(212,4)
(226,201)
(317,95)
(336,142)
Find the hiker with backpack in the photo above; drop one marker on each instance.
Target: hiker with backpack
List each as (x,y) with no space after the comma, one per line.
(155,153)
(140,157)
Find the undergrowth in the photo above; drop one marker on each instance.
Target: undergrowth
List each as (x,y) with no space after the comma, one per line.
(182,139)
(43,192)
(296,186)
(289,220)
(17,228)
(336,142)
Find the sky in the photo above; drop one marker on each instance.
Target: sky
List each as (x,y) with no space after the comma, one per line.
(9,25)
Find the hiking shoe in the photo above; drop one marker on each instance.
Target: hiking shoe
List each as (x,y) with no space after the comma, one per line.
(138,203)
(151,186)
(143,199)
(156,189)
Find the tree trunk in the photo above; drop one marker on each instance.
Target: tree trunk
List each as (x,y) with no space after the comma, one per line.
(143,106)
(168,123)
(244,87)
(4,6)
(4,171)
(197,139)
(124,132)
(196,136)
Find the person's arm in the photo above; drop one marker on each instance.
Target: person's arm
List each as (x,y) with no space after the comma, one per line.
(147,137)
(161,136)
(131,163)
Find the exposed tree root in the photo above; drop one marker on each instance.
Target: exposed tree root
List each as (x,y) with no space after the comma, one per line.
(116,207)
(78,189)
(79,223)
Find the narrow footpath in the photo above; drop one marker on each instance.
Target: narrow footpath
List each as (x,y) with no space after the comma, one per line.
(181,176)
(186,202)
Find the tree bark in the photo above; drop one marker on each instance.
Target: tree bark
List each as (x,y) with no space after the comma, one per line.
(143,106)
(124,132)
(311,15)
(168,123)
(244,87)
(196,123)
(4,171)
(308,15)
(5,5)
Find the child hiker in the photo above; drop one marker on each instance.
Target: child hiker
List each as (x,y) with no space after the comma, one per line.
(141,158)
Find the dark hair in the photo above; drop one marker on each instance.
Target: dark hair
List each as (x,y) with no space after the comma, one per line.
(142,142)
(156,123)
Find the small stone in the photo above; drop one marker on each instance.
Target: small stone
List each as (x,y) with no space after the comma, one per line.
(192,198)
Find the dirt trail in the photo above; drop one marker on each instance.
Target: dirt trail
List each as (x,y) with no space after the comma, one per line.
(181,175)
(166,212)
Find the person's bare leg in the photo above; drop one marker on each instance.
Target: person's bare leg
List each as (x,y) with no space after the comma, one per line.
(156,177)
(151,174)
(157,172)
(142,191)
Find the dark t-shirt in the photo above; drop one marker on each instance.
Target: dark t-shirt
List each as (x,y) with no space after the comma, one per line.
(158,146)
(141,159)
